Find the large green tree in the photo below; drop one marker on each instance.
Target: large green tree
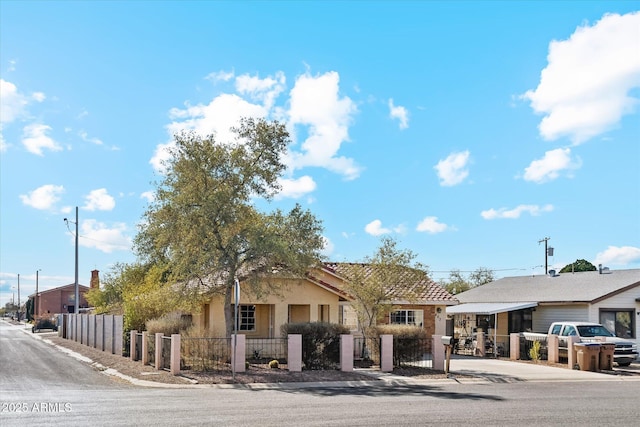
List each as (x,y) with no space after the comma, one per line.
(390,274)
(204,224)
(457,282)
(578,265)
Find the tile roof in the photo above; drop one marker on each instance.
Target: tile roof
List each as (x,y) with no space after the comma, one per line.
(426,291)
(588,286)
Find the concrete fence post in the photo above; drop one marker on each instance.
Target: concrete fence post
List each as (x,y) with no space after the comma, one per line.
(145,348)
(132,344)
(386,353)
(514,346)
(294,352)
(118,334)
(480,344)
(437,353)
(572,356)
(552,349)
(238,351)
(158,350)
(346,353)
(100,332)
(92,331)
(175,354)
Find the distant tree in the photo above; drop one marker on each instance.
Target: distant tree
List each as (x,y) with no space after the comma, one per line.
(481,276)
(457,282)
(204,228)
(578,265)
(389,274)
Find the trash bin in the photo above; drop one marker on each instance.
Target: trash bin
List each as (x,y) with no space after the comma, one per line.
(588,356)
(606,355)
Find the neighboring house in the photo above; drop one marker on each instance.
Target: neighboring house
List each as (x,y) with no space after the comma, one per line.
(61,299)
(58,300)
(532,303)
(319,297)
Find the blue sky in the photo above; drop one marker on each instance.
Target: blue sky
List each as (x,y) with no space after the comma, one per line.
(469,131)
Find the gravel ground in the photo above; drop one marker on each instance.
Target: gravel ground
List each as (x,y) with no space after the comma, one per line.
(255,374)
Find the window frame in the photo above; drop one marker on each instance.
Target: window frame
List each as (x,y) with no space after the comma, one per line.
(417,320)
(246,318)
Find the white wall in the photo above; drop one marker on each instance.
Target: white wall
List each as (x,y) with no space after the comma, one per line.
(545,315)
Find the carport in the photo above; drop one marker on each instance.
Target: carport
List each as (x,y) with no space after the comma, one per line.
(489,308)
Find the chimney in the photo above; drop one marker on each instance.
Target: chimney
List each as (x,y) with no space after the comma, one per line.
(95,280)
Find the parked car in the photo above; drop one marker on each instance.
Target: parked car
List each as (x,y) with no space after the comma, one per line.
(44,323)
(625,351)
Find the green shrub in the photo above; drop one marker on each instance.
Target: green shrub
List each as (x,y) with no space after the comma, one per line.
(274,364)
(320,343)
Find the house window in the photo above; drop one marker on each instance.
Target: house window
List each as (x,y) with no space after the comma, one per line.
(407,317)
(247,317)
(620,322)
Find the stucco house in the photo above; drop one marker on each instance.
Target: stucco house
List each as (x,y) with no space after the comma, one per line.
(320,296)
(532,303)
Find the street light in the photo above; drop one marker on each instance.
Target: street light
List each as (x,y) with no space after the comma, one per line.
(77,296)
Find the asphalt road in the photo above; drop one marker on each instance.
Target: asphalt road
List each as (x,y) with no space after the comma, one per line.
(44,387)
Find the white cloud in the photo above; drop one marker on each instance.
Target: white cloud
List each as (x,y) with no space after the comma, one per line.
(94,234)
(315,107)
(12,103)
(375,228)
(453,170)
(504,213)
(328,247)
(431,225)
(315,102)
(35,139)
(224,76)
(549,167)
(296,188)
(618,255)
(585,88)
(38,96)
(399,113)
(149,196)
(262,90)
(99,200)
(44,197)
(85,137)
(3,145)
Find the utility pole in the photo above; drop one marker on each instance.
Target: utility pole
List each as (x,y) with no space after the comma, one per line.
(547,251)
(77,292)
(77,296)
(18,297)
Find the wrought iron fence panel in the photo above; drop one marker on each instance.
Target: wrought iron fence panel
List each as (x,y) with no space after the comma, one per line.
(138,355)
(151,349)
(205,354)
(366,352)
(412,352)
(528,347)
(166,353)
(261,351)
(503,346)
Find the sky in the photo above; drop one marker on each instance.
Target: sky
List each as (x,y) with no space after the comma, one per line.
(467,131)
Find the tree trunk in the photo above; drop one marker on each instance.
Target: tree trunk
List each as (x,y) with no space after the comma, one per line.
(228,309)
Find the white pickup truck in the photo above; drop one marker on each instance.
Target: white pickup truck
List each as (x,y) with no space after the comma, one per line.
(625,351)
